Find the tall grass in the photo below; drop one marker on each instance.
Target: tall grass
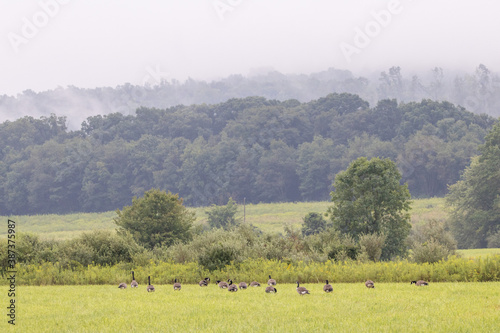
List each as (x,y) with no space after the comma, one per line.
(452,270)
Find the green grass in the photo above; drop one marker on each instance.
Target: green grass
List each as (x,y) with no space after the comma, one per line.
(476,253)
(267,217)
(390,307)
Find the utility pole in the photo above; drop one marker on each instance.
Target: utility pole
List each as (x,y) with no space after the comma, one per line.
(244,210)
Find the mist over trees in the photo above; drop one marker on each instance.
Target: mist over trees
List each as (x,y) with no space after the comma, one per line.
(254,148)
(478,91)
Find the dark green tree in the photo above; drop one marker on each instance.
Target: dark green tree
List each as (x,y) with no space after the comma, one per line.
(368,199)
(156,219)
(314,223)
(475,199)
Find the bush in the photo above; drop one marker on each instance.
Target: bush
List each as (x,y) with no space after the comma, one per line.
(100,247)
(430,252)
(431,242)
(372,245)
(346,249)
(314,223)
(217,257)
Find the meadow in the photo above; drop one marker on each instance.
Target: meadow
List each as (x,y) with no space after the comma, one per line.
(267,217)
(390,307)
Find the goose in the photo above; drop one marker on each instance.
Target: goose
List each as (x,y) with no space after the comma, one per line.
(222,284)
(327,288)
(271,289)
(134,283)
(369,284)
(420,283)
(177,285)
(232,287)
(271,282)
(254,284)
(122,285)
(301,290)
(243,285)
(150,286)
(204,282)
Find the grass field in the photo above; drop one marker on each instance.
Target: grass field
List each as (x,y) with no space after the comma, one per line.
(390,307)
(476,253)
(267,217)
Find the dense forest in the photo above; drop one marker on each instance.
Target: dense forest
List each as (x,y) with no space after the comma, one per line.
(478,91)
(254,148)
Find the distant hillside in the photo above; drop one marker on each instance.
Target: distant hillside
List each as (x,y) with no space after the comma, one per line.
(479,92)
(254,148)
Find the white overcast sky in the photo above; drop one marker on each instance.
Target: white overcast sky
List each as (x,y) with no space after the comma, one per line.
(97,43)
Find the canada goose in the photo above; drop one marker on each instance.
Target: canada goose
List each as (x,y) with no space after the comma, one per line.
(204,282)
(122,285)
(369,284)
(243,285)
(134,283)
(232,287)
(150,286)
(222,284)
(254,284)
(420,283)
(271,282)
(327,288)
(301,290)
(271,289)
(177,285)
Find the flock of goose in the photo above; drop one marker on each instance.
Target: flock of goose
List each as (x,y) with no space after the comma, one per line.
(271,283)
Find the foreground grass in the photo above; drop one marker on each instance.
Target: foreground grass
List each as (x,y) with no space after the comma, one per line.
(267,217)
(390,307)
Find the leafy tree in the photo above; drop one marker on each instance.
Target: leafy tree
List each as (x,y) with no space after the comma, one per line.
(368,199)
(223,216)
(475,199)
(314,223)
(158,218)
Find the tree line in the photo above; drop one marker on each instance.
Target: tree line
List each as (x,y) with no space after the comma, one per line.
(477,90)
(253,148)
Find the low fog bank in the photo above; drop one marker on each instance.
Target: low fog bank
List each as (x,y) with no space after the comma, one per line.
(477,91)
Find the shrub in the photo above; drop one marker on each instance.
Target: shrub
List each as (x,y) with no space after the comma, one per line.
(100,247)
(314,223)
(372,245)
(430,251)
(431,242)
(217,257)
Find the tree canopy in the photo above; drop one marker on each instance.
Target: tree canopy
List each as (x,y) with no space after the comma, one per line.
(368,199)
(254,148)
(156,219)
(475,199)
